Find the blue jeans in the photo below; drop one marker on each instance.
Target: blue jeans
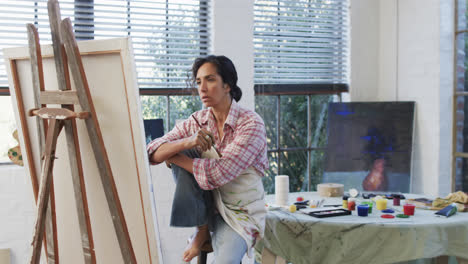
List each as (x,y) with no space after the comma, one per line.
(228,246)
(193,206)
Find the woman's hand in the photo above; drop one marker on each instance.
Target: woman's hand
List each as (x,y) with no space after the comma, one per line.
(203,139)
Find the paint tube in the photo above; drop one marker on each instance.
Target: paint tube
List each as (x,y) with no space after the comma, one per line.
(447,211)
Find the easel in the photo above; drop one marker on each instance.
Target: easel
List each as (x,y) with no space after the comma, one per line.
(53,120)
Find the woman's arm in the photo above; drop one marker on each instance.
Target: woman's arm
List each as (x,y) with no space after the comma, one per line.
(169,149)
(182,161)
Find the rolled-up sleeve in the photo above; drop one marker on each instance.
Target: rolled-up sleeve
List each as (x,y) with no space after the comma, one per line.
(247,147)
(178,132)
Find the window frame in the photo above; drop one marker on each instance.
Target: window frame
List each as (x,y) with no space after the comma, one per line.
(307,90)
(459,157)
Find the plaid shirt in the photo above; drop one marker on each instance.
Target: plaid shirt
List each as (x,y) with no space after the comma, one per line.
(243,145)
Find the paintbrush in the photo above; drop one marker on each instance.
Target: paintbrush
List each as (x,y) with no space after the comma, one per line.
(198,123)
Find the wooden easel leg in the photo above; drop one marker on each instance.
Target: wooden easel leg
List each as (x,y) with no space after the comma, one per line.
(63,78)
(50,234)
(44,189)
(38,86)
(81,201)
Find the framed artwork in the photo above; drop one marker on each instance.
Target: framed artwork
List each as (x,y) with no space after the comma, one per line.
(370,145)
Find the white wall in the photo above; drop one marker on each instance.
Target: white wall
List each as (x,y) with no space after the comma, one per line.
(17,212)
(233,37)
(387,34)
(364,50)
(414,62)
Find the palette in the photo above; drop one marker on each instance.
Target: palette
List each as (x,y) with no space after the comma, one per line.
(329,213)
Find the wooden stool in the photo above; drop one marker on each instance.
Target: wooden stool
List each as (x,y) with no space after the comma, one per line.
(205,249)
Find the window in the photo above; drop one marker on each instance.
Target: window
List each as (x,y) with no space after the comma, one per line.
(167,36)
(301,41)
(169,107)
(460,107)
(300,63)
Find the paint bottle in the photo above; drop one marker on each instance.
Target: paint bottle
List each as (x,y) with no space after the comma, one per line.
(345,202)
(370,204)
(408,209)
(363,209)
(351,205)
(381,204)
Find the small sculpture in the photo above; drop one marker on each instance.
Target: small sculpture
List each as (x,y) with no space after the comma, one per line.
(380,144)
(15,153)
(376,180)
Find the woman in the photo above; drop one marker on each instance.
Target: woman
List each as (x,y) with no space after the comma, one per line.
(233,172)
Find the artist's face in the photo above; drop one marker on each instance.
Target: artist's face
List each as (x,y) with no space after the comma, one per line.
(211,89)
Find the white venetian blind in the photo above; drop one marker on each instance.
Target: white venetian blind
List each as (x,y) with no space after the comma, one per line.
(167,35)
(300,41)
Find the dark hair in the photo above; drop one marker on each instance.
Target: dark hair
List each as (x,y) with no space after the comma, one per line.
(225,69)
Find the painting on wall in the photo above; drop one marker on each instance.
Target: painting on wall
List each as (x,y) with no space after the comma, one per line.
(370,145)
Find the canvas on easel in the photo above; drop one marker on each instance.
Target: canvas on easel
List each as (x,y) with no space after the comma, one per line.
(111,76)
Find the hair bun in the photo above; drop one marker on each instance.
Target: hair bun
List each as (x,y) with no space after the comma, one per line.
(236,93)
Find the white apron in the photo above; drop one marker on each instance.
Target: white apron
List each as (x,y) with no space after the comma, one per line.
(241,204)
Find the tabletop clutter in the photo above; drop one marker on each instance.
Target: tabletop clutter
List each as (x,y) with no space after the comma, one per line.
(389,205)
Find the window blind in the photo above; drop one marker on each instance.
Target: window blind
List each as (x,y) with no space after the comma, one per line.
(167,35)
(300,41)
